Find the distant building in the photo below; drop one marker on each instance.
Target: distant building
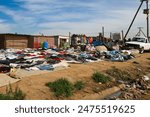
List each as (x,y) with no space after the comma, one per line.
(81,39)
(78,39)
(116,36)
(61,40)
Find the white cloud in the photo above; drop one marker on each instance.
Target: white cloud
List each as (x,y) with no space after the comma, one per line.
(4,28)
(119,20)
(57,17)
(34,1)
(124,18)
(1,20)
(20,18)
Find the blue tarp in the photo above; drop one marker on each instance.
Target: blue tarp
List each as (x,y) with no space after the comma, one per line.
(97,43)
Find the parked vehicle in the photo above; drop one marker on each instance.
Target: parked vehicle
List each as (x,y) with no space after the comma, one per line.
(138,42)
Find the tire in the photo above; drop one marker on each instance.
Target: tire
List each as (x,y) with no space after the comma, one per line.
(141,51)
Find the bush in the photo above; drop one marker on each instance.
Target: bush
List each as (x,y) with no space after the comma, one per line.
(98,77)
(17,94)
(61,87)
(79,85)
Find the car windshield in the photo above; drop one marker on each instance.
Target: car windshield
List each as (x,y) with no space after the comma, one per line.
(138,39)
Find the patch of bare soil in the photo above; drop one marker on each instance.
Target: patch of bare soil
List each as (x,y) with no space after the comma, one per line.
(35,89)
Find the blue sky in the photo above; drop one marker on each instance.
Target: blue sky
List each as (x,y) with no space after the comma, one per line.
(52,17)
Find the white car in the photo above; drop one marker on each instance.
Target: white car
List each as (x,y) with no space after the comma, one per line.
(140,43)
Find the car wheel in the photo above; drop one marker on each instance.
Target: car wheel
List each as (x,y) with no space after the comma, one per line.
(141,50)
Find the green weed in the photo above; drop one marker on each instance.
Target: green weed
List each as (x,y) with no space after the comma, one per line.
(79,85)
(61,87)
(99,77)
(11,94)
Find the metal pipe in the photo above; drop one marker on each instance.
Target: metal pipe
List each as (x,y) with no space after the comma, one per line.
(133,20)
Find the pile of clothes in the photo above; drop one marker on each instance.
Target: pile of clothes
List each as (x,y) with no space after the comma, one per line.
(50,59)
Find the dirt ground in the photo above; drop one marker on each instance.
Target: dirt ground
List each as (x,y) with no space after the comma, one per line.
(35,89)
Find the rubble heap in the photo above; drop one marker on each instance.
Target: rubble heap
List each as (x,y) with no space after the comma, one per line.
(135,90)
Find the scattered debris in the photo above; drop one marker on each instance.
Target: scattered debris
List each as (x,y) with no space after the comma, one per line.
(134,90)
(146,78)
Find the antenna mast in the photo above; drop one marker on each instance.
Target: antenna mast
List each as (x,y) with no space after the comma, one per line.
(140,31)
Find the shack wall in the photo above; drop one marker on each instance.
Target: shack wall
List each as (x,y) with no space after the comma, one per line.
(2,41)
(19,41)
(40,39)
(16,41)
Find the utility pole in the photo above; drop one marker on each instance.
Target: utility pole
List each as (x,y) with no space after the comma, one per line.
(110,35)
(122,33)
(147,19)
(103,32)
(146,11)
